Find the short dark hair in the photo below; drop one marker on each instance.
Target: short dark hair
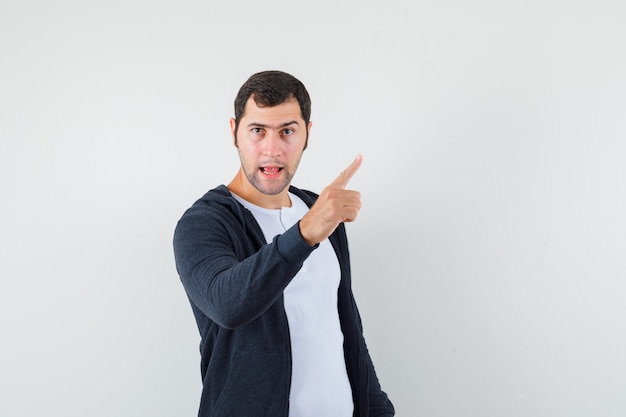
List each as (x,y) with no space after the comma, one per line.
(271,88)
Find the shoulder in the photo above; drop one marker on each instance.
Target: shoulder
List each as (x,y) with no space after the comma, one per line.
(216,208)
(218,199)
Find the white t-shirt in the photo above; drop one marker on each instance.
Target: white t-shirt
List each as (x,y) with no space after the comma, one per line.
(319,381)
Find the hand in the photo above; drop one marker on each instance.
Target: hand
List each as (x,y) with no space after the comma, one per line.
(334,205)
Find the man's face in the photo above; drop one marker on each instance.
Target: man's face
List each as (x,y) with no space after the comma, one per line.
(270,142)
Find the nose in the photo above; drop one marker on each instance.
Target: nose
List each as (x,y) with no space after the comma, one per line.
(271,144)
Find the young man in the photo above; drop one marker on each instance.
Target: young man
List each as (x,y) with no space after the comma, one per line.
(266,268)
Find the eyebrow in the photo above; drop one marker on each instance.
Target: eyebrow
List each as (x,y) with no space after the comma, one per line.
(254,124)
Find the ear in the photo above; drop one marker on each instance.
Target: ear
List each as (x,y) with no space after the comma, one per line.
(233,130)
(308,132)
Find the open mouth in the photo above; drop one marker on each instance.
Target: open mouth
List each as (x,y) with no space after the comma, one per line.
(271,171)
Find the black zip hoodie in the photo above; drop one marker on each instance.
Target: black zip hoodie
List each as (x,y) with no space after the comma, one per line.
(235,280)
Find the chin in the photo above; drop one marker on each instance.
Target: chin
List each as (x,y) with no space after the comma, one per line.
(271,190)
(274,187)
(268,189)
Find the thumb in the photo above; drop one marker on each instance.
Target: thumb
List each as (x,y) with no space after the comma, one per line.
(342,180)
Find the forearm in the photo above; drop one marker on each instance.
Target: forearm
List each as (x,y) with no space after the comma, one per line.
(233,291)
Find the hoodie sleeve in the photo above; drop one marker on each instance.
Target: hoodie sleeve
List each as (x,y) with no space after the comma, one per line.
(228,279)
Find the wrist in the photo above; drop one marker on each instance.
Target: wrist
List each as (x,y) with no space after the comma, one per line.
(304,233)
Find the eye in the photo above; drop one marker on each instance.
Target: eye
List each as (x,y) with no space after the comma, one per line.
(287,132)
(257,130)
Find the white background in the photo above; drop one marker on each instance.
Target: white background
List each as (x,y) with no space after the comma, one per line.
(488,258)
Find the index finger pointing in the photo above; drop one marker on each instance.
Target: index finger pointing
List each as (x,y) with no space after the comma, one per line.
(342,180)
